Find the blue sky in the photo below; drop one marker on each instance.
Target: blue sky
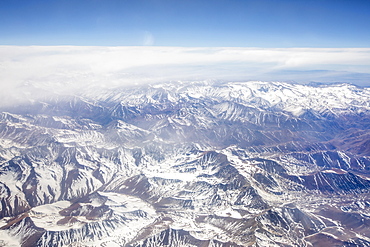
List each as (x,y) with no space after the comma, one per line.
(148,41)
(191,23)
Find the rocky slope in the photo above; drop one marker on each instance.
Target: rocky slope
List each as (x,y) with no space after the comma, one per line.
(188,164)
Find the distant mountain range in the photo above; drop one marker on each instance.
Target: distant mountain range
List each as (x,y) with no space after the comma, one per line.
(188,164)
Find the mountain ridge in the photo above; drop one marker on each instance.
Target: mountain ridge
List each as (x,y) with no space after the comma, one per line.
(188,164)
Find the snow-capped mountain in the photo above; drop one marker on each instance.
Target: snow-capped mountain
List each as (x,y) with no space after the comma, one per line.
(188,164)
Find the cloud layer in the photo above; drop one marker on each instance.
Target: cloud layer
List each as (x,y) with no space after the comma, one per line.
(72,67)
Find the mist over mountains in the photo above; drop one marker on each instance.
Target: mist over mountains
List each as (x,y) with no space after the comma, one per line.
(68,69)
(187,164)
(184,123)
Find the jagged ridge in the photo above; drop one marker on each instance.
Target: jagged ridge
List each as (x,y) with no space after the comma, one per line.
(202,164)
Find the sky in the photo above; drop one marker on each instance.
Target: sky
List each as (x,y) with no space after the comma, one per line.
(190,23)
(72,44)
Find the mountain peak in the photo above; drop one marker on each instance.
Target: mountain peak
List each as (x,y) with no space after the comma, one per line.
(188,164)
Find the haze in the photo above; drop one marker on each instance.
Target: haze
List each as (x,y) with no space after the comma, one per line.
(67,45)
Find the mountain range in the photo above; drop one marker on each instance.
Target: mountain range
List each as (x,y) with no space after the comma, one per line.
(187,164)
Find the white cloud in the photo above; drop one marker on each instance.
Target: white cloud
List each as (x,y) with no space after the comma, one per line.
(70,67)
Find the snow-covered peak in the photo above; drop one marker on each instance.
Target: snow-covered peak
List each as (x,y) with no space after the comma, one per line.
(290,97)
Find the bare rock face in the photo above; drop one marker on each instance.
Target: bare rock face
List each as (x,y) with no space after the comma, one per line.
(188,164)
